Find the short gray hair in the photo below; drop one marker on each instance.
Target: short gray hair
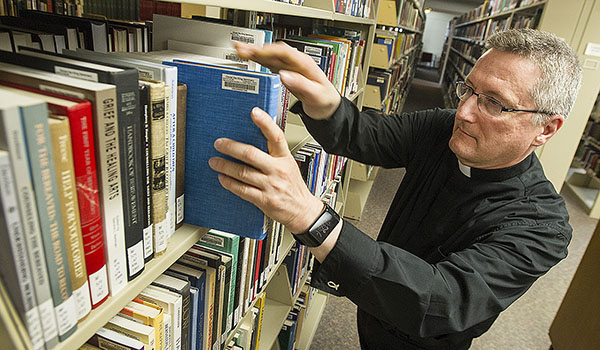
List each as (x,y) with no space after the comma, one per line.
(556,89)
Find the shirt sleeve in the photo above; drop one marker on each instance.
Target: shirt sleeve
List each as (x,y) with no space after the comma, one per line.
(374,138)
(422,299)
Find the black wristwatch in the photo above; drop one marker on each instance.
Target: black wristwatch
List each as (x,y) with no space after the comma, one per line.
(320,229)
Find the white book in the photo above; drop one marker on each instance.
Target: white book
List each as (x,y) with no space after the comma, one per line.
(168,331)
(215,34)
(171,303)
(226,53)
(14,264)
(135,330)
(107,160)
(109,339)
(12,139)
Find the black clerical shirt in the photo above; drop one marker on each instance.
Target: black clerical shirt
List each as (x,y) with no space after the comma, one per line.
(458,245)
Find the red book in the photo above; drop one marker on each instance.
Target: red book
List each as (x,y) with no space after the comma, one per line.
(79,113)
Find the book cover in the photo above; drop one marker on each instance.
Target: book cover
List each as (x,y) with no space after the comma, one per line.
(132,329)
(198,279)
(149,314)
(12,139)
(145,114)
(158,165)
(207,203)
(14,265)
(171,303)
(226,53)
(34,116)
(180,153)
(79,113)
(125,81)
(60,135)
(102,97)
(106,338)
(181,287)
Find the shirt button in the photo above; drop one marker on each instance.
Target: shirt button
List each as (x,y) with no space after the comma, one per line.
(333,285)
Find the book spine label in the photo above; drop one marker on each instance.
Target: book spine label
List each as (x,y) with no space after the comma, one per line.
(10,216)
(37,135)
(15,139)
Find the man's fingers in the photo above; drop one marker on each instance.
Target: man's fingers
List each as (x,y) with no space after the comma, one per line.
(275,136)
(240,172)
(242,190)
(279,56)
(243,152)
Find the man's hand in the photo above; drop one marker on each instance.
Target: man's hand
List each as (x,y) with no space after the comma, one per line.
(299,73)
(270,181)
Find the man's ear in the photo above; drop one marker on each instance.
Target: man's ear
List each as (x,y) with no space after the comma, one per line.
(550,128)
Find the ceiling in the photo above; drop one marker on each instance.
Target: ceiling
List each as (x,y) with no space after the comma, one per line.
(452,6)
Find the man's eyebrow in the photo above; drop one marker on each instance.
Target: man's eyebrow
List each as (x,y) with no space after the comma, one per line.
(493,94)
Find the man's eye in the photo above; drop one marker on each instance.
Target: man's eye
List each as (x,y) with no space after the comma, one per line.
(493,102)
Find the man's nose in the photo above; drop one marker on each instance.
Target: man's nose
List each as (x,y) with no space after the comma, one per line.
(467,109)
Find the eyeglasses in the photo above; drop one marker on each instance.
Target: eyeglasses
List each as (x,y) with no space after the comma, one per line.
(486,104)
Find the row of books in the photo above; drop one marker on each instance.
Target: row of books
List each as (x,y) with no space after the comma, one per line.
(199,300)
(357,8)
(131,198)
(12,7)
(473,52)
(289,335)
(494,7)
(53,32)
(409,15)
(398,44)
(476,31)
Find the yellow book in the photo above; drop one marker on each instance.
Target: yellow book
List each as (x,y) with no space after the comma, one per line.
(149,314)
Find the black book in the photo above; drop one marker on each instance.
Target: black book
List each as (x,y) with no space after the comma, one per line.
(145,105)
(320,53)
(94,32)
(129,135)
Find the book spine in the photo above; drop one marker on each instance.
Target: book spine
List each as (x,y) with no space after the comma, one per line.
(12,233)
(147,161)
(14,137)
(84,160)
(169,190)
(157,144)
(130,154)
(63,164)
(180,153)
(109,181)
(37,136)
(172,150)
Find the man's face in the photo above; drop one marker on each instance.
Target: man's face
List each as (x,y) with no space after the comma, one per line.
(486,142)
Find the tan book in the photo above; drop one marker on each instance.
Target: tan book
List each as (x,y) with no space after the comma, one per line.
(180,153)
(60,134)
(132,329)
(149,314)
(158,167)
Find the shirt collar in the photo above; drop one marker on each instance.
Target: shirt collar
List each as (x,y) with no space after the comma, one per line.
(496,174)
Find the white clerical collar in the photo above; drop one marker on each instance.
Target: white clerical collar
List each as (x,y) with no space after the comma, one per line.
(465,169)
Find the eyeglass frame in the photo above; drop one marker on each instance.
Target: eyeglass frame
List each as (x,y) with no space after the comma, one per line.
(503,109)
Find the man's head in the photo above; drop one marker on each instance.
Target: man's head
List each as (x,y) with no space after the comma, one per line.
(523,69)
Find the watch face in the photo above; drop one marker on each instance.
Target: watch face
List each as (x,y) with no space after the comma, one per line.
(321,229)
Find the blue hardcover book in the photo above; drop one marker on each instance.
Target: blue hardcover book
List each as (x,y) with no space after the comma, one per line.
(197,280)
(219,102)
(193,318)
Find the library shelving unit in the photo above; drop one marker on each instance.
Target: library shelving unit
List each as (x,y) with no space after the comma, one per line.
(578,23)
(279,299)
(397,45)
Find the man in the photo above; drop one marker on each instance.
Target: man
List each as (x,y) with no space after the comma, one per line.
(474,223)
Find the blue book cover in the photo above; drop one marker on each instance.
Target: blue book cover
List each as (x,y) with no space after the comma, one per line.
(197,280)
(219,102)
(193,339)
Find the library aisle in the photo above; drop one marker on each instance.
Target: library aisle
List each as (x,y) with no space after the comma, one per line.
(524,325)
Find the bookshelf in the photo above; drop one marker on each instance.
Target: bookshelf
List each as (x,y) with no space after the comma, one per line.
(577,22)
(404,21)
(279,299)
